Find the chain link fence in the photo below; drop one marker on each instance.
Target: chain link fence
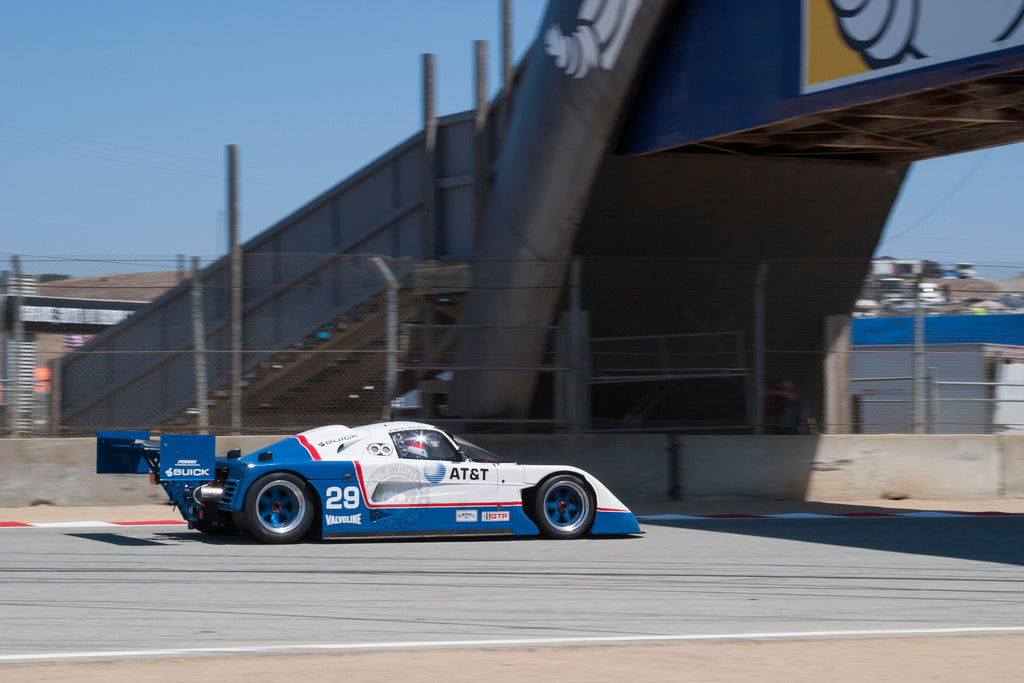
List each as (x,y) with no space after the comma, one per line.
(937,350)
(685,346)
(313,350)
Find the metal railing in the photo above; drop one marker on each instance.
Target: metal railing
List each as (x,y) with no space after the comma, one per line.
(932,400)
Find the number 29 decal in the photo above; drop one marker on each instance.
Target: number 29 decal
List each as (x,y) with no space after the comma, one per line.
(342,498)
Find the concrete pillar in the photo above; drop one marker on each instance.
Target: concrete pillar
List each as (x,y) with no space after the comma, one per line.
(838,416)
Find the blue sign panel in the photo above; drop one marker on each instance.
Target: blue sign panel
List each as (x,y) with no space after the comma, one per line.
(187,457)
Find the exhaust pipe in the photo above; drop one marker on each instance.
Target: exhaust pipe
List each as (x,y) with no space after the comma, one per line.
(208,494)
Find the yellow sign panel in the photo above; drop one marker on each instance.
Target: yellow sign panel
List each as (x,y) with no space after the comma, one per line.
(826,56)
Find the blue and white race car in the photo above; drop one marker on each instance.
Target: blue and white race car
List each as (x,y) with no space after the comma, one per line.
(382,480)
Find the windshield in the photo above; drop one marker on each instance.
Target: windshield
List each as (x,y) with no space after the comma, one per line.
(423,444)
(476,453)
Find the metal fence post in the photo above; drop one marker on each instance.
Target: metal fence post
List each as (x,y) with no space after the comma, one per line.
(933,404)
(674,467)
(199,344)
(55,397)
(577,382)
(392,334)
(757,392)
(919,371)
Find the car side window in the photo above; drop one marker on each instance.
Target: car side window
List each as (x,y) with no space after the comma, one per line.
(422,444)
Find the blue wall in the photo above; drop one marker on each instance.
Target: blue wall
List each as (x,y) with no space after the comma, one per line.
(944,329)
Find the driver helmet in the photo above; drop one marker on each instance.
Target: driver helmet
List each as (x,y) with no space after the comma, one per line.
(416,447)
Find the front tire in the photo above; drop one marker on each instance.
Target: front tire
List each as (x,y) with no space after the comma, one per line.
(277,509)
(564,507)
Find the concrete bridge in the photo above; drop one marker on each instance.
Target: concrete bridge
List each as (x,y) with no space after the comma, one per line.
(688,191)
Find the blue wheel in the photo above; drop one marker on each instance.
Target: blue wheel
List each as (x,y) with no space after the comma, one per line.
(564,507)
(277,509)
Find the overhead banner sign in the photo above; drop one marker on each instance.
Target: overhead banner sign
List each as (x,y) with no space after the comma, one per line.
(724,66)
(854,41)
(51,314)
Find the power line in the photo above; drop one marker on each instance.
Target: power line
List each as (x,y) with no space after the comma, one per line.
(942,202)
(148,152)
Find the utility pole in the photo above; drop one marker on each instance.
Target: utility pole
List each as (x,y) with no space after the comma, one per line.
(235,258)
(506,44)
(480,156)
(428,248)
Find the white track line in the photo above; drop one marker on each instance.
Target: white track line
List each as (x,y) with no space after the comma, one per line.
(63,525)
(511,642)
(85,525)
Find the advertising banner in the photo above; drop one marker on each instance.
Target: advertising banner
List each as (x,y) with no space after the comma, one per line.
(51,314)
(724,66)
(854,41)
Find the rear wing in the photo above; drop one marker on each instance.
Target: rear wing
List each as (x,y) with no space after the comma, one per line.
(175,457)
(182,464)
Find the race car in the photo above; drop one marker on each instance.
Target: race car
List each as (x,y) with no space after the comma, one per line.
(388,479)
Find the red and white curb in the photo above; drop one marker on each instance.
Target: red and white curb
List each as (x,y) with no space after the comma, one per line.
(88,524)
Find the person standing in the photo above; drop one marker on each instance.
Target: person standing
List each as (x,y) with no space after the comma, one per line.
(787,413)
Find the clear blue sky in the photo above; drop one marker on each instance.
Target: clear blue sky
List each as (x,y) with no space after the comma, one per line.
(115,115)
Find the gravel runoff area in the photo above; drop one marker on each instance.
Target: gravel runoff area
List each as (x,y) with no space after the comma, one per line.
(991,658)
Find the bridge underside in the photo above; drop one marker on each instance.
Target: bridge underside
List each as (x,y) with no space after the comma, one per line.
(674,244)
(950,119)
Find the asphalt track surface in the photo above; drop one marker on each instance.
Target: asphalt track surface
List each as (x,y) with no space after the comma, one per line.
(78,593)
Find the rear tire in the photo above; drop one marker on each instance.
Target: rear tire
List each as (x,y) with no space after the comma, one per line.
(277,509)
(564,507)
